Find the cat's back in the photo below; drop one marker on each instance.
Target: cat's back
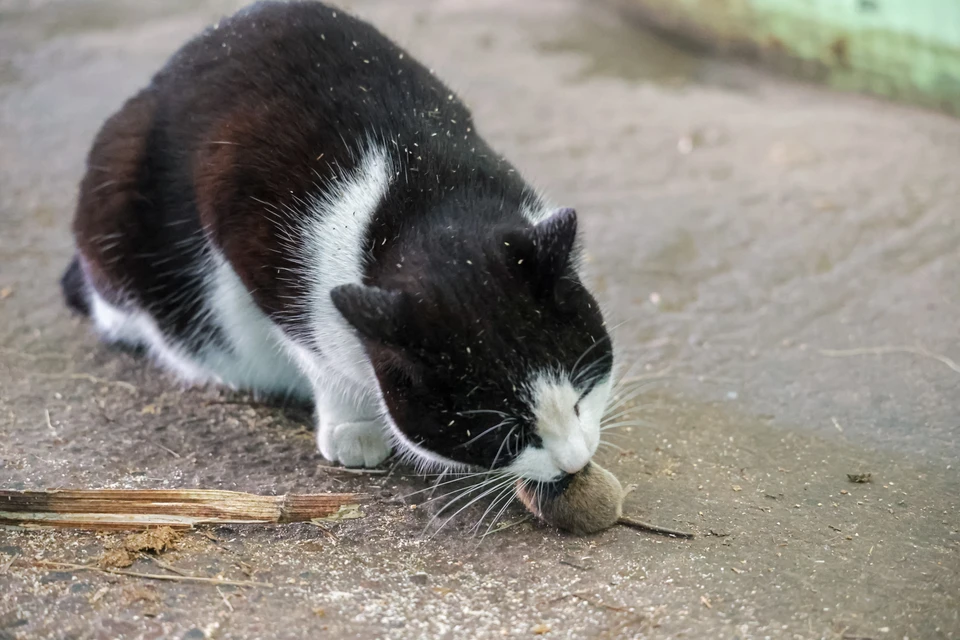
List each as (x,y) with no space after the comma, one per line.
(266,109)
(302,68)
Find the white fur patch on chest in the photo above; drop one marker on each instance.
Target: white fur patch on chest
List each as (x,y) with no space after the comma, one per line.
(568,426)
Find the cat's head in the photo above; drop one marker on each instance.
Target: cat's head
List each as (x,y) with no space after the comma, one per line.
(494,355)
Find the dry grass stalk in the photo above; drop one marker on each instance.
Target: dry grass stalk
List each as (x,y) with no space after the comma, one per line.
(151,576)
(181,509)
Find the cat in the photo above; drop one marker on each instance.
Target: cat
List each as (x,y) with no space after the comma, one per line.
(296,206)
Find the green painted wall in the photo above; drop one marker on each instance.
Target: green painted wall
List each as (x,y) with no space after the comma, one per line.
(903,49)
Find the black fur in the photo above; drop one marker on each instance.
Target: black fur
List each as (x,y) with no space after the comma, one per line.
(471,323)
(74,288)
(463,297)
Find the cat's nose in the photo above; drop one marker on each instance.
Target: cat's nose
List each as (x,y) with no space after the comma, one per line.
(573,456)
(571,469)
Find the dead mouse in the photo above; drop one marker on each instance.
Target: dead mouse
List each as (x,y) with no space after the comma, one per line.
(583,503)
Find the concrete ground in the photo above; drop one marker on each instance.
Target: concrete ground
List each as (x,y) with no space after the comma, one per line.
(784,263)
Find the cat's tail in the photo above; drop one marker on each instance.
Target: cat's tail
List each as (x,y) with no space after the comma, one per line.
(74,287)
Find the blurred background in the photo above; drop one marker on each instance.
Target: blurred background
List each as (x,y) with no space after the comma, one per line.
(907,50)
(769,195)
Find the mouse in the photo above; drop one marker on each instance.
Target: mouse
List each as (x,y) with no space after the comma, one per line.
(294,206)
(583,503)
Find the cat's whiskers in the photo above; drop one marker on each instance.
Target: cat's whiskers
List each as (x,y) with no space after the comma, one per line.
(495,487)
(596,343)
(458,478)
(459,494)
(436,484)
(586,377)
(609,419)
(499,515)
(493,504)
(614,434)
(625,423)
(620,402)
(502,423)
(576,374)
(629,387)
(506,505)
(502,444)
(605,443)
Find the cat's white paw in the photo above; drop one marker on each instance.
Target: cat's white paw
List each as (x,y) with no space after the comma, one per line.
(354,444)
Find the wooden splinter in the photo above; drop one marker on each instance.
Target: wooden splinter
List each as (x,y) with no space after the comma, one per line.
(180,509)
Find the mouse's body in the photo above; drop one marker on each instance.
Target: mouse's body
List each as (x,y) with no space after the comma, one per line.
(586,502)
(295,206)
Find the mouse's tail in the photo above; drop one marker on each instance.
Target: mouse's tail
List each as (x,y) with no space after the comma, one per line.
(74,287)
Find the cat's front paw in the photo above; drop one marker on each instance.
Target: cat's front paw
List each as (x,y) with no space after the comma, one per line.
(354,444)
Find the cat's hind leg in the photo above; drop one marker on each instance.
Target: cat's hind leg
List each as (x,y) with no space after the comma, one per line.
(132,327)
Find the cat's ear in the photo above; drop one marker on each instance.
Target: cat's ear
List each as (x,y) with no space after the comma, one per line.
(375,313)
(543,252)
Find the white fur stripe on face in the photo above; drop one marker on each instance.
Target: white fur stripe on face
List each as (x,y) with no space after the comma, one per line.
(569,440)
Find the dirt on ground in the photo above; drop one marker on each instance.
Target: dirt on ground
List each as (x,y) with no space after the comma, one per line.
(782,266)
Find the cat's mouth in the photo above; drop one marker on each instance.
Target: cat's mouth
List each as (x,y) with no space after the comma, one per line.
(551,489)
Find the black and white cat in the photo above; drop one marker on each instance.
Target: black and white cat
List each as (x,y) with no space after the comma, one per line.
(295,206)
